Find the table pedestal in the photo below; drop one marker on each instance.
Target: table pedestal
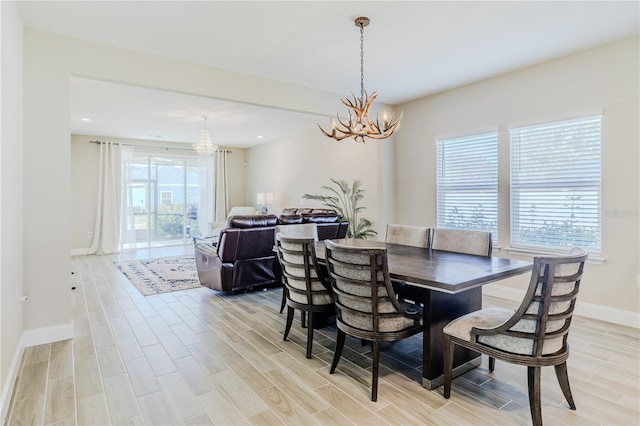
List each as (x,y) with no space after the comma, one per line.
(439,309)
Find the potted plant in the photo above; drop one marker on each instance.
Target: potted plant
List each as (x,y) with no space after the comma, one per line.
(345,200)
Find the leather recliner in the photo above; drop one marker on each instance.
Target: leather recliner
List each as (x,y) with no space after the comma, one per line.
(244,257)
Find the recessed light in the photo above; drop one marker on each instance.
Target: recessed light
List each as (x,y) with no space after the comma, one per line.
(85,119)
(259,136)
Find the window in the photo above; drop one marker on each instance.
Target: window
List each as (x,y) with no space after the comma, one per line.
(555,185)
(467,183)
(161,199)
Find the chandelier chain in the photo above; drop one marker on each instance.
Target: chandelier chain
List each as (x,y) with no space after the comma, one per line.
(361,62)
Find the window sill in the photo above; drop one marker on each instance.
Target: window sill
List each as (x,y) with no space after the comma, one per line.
(595,259)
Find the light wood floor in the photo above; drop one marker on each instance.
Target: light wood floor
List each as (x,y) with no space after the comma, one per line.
(202,357)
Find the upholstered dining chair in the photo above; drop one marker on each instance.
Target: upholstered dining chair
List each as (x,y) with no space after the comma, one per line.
(461,241)
(408,235)
(534,336)
(307,289)
(366,306)
(303,230)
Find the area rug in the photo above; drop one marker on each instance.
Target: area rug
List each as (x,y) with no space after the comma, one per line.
(161,275)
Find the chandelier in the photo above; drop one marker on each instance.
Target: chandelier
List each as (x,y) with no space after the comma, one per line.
(359,126)
(205,147)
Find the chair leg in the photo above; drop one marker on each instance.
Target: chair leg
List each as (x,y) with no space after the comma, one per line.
(338,352)
(284,299)
(290,315)
(563,379)
(448,365)
(492,363)
(375,346)
(535,405)
(303,319)
(309,334)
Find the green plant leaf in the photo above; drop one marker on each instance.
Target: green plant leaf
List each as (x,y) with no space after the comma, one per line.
(345,200)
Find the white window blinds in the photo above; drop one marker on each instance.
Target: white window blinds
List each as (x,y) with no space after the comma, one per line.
(467,183)
(555,185)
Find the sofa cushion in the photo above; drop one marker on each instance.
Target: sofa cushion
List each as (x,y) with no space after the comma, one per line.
(293,210)
(288,219)
(320,218)
(252,221)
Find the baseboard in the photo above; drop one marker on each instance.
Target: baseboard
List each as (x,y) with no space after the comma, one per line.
(12,376)
(79,252)
(41,336)
(585,309)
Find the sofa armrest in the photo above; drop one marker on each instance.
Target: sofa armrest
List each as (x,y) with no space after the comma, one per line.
(209,266)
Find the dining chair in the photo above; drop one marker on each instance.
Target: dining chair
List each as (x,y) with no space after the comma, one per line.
(535,335)
(365,303)
(304,230)
(308,290)
(461,241)
(408,235)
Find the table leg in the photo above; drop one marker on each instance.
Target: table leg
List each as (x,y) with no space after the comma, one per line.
(439,309)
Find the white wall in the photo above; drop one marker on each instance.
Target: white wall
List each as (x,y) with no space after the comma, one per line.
(84,180)
(304,163)
(606,77)
(11,210)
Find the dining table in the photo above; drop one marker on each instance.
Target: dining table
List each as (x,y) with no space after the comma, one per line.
(451,286)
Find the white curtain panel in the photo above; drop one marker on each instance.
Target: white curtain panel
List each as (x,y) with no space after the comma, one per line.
(107,226)
(126,214)
(205,185)
(221,199)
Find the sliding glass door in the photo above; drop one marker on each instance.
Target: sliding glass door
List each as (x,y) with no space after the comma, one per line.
(162,195)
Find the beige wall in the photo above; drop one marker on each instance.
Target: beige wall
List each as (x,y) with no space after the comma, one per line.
(303,164)
(11,210)
(601,78)
(84,181)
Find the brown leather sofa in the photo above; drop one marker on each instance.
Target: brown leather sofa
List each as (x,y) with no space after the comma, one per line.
(244,258)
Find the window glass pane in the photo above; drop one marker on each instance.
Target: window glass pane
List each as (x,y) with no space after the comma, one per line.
(467,183)
(163,195)
(555,185)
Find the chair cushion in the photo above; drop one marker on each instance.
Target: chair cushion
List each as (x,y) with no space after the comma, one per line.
(493,317)
(388,324)
(484,318)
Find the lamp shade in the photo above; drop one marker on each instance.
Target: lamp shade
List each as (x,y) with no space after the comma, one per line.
(264,198)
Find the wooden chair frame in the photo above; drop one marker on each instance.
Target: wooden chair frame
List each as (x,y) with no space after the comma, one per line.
(542,278)
(377,262)
(308,252)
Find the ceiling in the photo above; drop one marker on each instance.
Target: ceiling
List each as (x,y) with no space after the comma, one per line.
(412,49)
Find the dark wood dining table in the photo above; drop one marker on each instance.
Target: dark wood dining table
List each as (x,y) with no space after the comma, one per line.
(451,286)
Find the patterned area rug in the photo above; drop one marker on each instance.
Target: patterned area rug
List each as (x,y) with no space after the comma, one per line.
(161,275)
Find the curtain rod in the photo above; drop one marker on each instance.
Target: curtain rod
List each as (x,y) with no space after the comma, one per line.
(155,147)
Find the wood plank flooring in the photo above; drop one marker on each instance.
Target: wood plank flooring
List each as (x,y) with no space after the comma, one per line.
(199,357)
